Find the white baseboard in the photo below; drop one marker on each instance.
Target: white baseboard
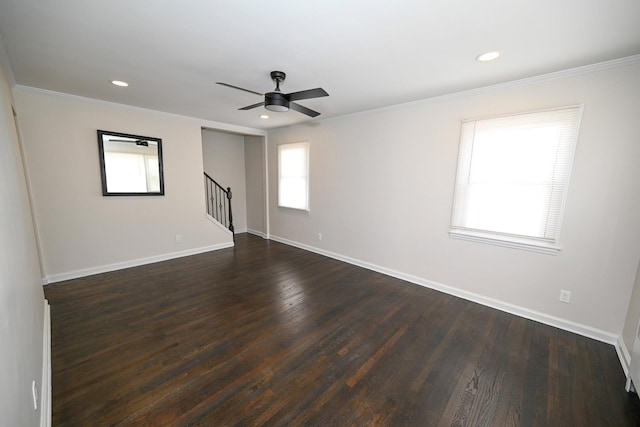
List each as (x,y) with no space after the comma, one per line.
(257,233)
(45,388)
(133,263)
(220,225)
(557,322)
(623,355)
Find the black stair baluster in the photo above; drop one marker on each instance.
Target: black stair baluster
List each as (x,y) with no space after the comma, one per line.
(219,202)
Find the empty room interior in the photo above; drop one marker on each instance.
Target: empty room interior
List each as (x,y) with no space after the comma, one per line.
(319,213)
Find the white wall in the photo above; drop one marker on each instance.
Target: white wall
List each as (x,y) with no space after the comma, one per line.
(223,155)
(81,231)
(21,296)
(254,157)
(382,189)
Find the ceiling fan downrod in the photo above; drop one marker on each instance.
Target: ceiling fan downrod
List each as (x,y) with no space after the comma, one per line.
(278,77)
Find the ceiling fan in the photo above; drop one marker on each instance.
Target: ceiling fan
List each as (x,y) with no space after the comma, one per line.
(278,101)
(139,142)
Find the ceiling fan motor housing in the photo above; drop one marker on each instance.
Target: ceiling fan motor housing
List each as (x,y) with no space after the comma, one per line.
(276,101)
(278,76)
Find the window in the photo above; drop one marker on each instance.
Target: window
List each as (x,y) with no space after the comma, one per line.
(512,178)
(293,175)
(136,172)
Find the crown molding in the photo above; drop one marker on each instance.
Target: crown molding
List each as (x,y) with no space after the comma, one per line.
(556,75)
(204,123)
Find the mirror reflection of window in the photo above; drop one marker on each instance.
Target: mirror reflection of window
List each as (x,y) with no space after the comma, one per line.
(131,165)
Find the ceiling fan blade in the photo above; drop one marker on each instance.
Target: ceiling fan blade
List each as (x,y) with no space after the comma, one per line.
(249,107)
(136,141)
(239,88)
(304,110)
(306,94)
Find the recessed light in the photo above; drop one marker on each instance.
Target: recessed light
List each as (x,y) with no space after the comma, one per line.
(119,83)
(264,116)
(489,56)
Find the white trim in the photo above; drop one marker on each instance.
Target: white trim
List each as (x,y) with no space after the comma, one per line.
(505,241)
(623,355)
(556,75)
(257,233)
(537,316)
(220,225)
(45,388)
(294,210)
(526,81)
(203,123)
(133,263)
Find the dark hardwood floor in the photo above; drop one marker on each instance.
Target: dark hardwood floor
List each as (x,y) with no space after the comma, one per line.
(267,334)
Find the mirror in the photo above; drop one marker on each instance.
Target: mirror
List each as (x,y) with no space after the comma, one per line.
(131,165)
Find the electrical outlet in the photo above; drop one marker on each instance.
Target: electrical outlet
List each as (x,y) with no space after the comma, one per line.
(319,236)
(565,296)
(34,392)
(178,238)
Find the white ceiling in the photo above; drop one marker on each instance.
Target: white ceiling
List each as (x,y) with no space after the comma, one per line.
(366,54)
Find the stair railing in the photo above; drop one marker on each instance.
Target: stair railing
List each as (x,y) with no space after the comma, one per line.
(218,202)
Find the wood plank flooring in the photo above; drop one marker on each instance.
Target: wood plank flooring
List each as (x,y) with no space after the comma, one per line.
(266,334)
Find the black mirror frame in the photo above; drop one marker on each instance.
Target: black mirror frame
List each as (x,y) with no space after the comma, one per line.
(103,172)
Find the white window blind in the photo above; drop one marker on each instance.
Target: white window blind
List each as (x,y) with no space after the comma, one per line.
(293,175)
(512,178)
(133,172)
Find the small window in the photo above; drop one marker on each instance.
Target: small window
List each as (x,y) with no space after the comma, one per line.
(512,179)
(293,175)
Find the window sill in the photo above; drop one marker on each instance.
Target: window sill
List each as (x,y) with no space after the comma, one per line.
(298,210)
(505,241)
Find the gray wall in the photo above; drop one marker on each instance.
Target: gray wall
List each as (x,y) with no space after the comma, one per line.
(81,232)
(21,296)
(237,161)
(382,188)
(223,156)
(254,156)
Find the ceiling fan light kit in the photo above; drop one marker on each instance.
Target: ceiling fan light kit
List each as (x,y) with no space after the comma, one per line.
(275,101)
(282,102)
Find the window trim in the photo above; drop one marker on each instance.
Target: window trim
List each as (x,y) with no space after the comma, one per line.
(492,238)
(530,243)
(307,145)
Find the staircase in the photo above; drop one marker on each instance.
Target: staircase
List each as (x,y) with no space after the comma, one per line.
(218,202)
